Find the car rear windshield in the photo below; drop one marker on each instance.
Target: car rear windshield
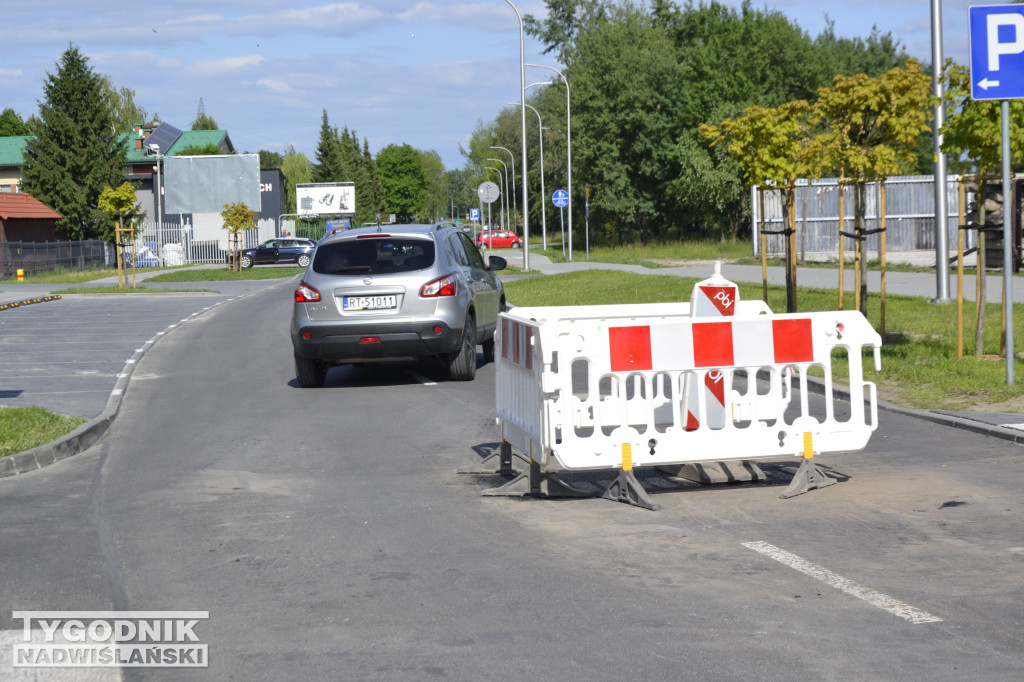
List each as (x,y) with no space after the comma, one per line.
(373,256)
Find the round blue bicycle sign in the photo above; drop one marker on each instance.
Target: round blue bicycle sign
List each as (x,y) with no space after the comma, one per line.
(560,198)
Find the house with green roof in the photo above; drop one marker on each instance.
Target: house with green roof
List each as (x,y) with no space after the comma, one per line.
(12,158)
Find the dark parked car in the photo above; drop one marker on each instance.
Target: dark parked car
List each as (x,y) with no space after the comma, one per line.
(396,292)
(280,250)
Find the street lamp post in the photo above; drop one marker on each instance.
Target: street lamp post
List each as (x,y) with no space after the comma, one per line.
(512,197)
(543,195)
(522,124)
(505,166)
(568,139)
(490,225)
(155,148)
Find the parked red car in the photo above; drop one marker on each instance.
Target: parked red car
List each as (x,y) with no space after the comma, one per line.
(498,239)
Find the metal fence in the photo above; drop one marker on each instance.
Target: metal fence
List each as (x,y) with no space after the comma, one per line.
(34,257)
(909,216)
(185,244)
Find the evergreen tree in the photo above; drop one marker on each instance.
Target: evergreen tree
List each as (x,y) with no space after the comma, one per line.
(330,166)
(11,124)
(377,203)
(76,154)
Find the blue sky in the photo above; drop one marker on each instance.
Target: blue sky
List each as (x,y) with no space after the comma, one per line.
(422,72)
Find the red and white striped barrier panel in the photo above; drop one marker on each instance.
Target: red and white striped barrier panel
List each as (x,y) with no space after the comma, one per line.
(577,385)
(713,297)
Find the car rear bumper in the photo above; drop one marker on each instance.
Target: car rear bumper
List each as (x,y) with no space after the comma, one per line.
(374,342)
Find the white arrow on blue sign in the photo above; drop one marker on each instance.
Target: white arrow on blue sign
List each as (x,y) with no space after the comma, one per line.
(560,198)
(997,51)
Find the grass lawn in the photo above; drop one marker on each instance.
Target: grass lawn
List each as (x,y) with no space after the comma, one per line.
(23,428)
(919,364)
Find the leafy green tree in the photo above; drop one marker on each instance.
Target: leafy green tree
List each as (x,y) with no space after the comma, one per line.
(297,170)
(120,204)
(644,76)
(377,202)
(462,191)
(125,112)
(76,153)
(770,145)
(624,87)
(871,128)
(437,189)
(270,159)
(403,180)
(204,121)
(237,218)
(11,124)
(972,137)
(208,149)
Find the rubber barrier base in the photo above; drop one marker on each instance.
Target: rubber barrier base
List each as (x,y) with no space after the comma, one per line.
(808,477)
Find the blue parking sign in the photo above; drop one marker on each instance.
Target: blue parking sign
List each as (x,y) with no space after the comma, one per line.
(997,51)
(474,215)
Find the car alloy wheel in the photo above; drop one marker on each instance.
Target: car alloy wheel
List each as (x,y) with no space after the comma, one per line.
(462,363)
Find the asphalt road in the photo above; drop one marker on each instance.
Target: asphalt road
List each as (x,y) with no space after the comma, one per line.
(329,537)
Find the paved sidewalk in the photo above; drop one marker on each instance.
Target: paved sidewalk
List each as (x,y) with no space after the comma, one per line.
(75,353)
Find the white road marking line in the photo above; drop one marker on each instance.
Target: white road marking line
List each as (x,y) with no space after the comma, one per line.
(1019,427)
(885,602)
(420,378)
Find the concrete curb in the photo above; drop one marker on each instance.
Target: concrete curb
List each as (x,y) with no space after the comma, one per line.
(89,433)
(953,421)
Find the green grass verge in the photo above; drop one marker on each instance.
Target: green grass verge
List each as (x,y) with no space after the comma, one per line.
(654,255)
(225,275)
(919,364)
(126,291)
(23,428)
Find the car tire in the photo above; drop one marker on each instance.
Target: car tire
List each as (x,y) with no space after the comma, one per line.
(303,260)
(246,261)
(462,363)
(310,373)
(517,245)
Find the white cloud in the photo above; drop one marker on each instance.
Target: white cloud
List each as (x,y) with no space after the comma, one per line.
(226,65)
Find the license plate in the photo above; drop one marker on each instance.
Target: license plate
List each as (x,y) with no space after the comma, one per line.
(369,302)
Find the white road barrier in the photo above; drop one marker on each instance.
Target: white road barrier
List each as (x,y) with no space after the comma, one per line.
(605,387)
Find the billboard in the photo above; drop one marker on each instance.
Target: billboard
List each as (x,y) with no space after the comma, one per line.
(325,198)
(203,184)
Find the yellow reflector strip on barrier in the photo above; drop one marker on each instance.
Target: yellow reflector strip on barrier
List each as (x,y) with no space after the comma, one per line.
(808,445)
(627,457)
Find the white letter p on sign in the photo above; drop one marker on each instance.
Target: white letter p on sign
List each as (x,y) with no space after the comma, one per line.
(996,48)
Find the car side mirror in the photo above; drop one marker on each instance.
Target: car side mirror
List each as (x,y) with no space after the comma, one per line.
(495,263)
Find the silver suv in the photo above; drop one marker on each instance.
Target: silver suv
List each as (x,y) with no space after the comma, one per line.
(396,292)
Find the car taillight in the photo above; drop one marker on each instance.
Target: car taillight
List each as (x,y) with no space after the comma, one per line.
(306,294)
(442,286)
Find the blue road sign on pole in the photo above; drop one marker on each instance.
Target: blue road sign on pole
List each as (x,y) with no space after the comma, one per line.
(560,198)
(474,215)
(997,51)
